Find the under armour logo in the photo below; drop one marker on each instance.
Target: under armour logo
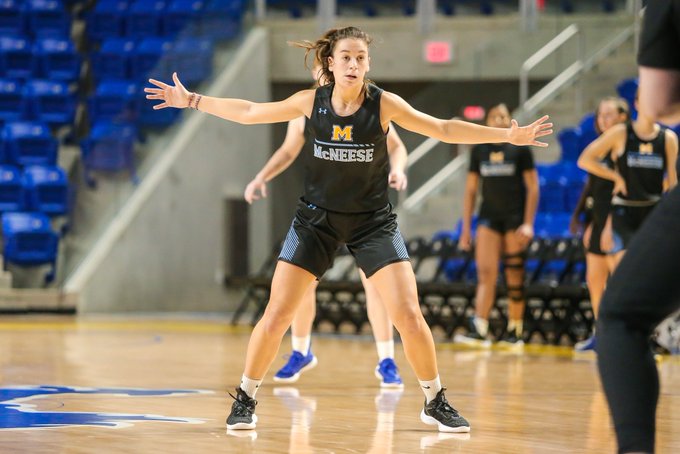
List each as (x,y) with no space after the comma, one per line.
(323,111)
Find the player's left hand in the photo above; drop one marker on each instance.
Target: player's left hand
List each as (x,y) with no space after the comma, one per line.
(525,233)
(397,180)
(527,135)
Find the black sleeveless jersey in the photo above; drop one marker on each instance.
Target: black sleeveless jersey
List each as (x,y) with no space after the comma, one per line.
(501,169)
(642,165)
(347,166)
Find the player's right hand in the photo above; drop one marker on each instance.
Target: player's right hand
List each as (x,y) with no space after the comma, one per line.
(256,190)
(172,96)
(465,240)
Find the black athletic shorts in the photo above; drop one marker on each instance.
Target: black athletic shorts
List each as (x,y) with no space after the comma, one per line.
(660,38)
(501,225)
(626,221)
(372,238)
(599,215)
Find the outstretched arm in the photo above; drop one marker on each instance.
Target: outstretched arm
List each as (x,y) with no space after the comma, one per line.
(394,108)
(237,110)
(282,158)
(398,157)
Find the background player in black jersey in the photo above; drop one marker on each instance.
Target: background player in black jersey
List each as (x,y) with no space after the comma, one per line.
(505,227)
(645,288)
(346,187)
(595,204)
(643,152)
(302,359)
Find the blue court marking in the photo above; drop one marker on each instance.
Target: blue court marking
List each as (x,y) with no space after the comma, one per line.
(16,413)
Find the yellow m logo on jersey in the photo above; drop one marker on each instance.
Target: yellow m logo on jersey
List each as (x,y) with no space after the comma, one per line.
(646,148)
(344,134)
(496,156)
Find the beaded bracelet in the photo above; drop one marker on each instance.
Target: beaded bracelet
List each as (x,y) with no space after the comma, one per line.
(198,99)
(191,99)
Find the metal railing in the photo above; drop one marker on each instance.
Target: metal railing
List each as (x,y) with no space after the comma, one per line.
(546,51)
(529,107)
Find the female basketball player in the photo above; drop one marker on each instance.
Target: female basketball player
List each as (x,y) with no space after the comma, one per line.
(505,226)
(345,201)
(642,152)
(597,195)
(302,358)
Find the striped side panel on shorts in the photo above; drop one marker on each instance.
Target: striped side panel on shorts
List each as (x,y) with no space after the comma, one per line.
(399,245)
(290,245)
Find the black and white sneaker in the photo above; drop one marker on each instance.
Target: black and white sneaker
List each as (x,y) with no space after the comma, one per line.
(473,338)
(511,340)
(242,414)
(438,412)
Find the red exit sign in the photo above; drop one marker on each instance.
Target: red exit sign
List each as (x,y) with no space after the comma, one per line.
(438,52)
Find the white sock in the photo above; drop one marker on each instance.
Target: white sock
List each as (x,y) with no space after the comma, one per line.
(250,386)
(385,349)
(482,325)
(516,325)
(431,388)
(301,344)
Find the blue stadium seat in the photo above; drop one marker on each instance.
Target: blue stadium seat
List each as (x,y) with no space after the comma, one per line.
(107,20)
(47,18)
(570,143)
(12,196)
(114,59)
(627,89)
(16,58)
(46,189)
(11,17)
(150,118)
(29,143)
(552,225)
(571,173)
(152,58)
(13,105)
(51,102)
(588,132)
(28,240)
(192,58)
(143,18)
(114,100)
(109,147)
(221,19)
(182,17)
(57,59)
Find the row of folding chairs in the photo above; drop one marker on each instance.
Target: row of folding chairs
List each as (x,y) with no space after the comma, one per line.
(50,58)
(217,19)
(34,18)
(41,100)
(25,143)
(43,189)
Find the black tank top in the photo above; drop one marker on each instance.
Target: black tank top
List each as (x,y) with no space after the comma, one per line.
(601,188)
(642,165)
(347,167)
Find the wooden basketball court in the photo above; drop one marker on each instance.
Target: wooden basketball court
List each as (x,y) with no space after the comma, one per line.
(74,385)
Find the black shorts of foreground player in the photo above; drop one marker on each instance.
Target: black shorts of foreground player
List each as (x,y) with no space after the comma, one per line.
(348,113)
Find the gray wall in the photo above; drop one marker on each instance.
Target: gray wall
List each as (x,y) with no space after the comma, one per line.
(484,47)
(167,258)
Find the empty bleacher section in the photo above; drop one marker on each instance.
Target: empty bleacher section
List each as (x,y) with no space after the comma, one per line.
(71,74)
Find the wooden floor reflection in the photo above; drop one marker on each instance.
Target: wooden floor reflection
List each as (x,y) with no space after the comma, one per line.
(167,382)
